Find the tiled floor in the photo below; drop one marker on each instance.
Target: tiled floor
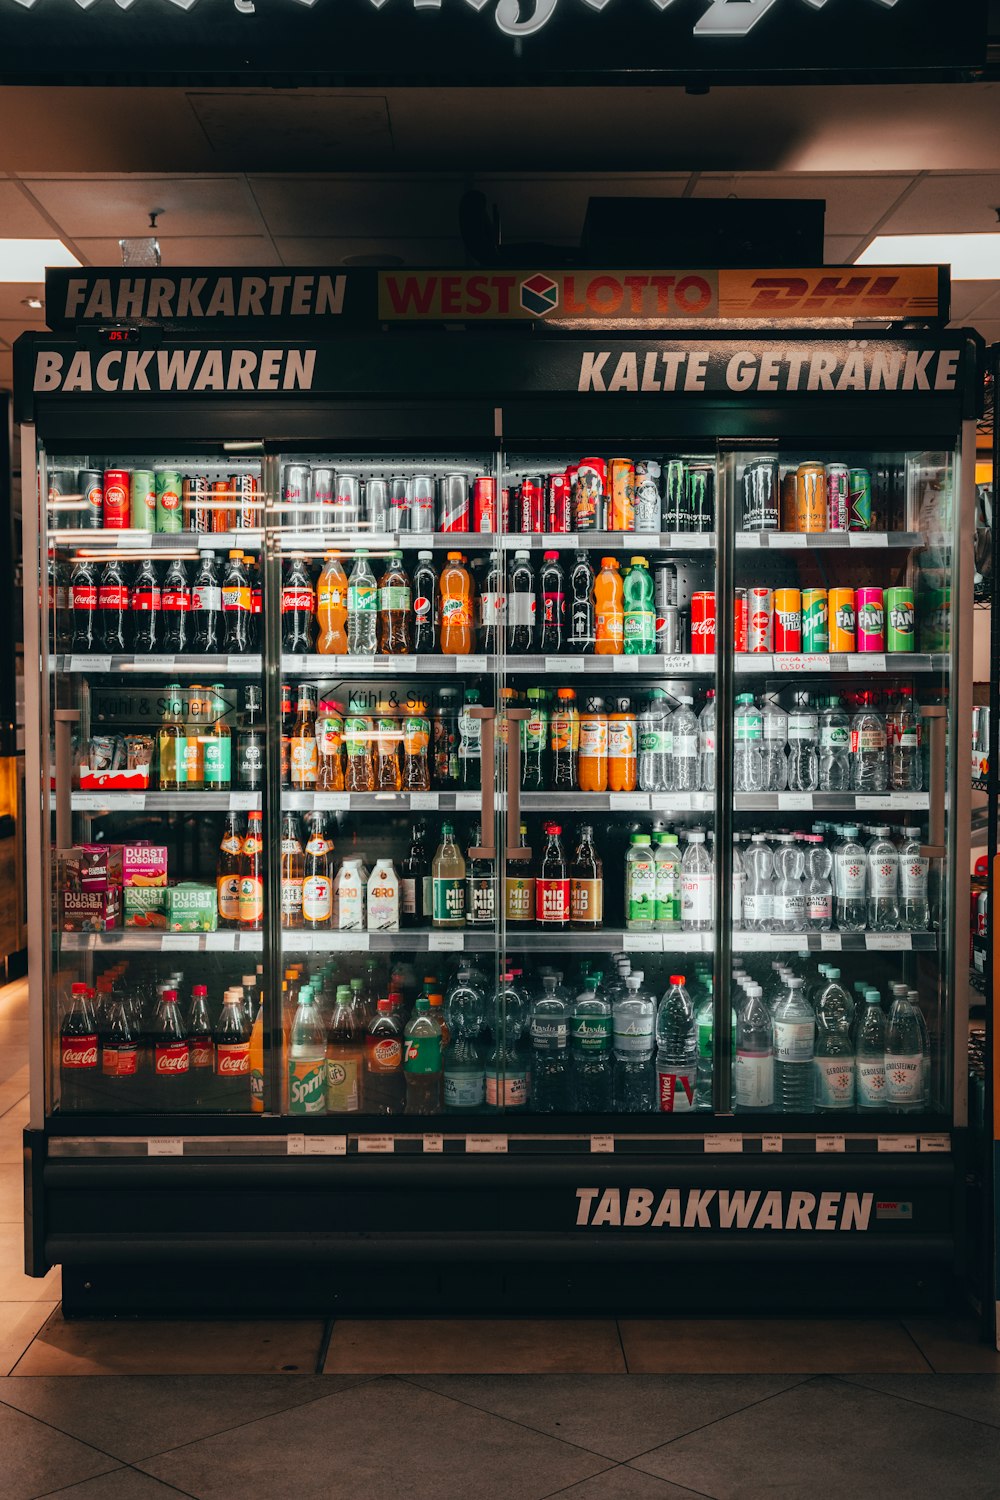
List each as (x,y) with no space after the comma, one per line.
(472,1409)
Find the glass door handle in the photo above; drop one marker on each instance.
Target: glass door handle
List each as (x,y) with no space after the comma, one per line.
(514,851)
(935,718)
(487,718)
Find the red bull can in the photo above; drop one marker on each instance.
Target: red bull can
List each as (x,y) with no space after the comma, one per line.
(787,620)
(453,503)
(484,504)
(399,514)
(760,620)
(420,502)
(345,512)
(871,619)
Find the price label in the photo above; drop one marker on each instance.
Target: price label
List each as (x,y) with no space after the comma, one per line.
(376,1145)
(675,663)
(771,1144)
(468,801)
(682,942)
(160,663)
(838,662)
(868,661)
(113,801)
(474,664)
(238,663)
(792,661)
(296,1145)
(864,800)
(445,942)
(243,801)
(716,1145)
(935,1143)
(893,942)
(623,663)
(559,539)
(220,942)
(326,1145)
(89,664)
(681,801)
(909,799)
(180,942)
(165,1145)
(830,942)
(331,801)
(572,664)
(643,942)
(795,801)
(251,942)
(301,942)
(790,539)
(697,541)
(783,940)
(433,1144)
(631,801)
(602,1143)
(746,540)
(486,1145)
(890,1143)
(384,664)
(335,942)
(828,1143)
(423,799)
(869,539)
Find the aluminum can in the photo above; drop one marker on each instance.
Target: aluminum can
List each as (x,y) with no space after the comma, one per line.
(530,506)
(789,501)
(670,630)
(421,503)
(899,619)
(90,485)
(484,504)
(571,473)
(66,484)
(169,490)
(860,500)
(505,510)
(982,913)
(324,485)
(675,496)
(838,492)
(810,496)
(621,491)
(345,512)
(647,495)
(787,620)
(760,620)
(589,495)
(453,509)
(815,622)
(117,499)
(703,623)
(142,504)
(871,619)
(247,509)
(843,620)
(296,491)
(664,583)
(399,514)
(222,505)
(378,505)
(760,494)
(195,504)
(557,518)
(700,496)
(740,615)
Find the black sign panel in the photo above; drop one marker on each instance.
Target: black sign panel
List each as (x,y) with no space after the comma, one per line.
(288,42)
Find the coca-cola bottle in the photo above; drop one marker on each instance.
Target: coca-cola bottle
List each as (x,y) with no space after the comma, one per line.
(237,606)
(256,604)
(202,1069)
(206,607)
(424,604)
(120,1057)
(78,1060)
(59,620)
(232,1054)
(298,609)
(144,607)
(169,1056)
(175,602)
(83,606)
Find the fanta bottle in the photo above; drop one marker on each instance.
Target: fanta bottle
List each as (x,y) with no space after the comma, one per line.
(608,609)
(331,609)
(455,591)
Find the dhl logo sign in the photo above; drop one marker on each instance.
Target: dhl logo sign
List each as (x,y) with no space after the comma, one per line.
(697,296)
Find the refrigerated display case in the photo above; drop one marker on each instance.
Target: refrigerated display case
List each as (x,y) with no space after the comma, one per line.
(613,815)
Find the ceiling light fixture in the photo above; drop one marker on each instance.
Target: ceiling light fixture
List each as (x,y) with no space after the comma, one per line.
(35,303)
(26,260)
(972,257)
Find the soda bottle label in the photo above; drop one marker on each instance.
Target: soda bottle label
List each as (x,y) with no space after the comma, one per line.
(793,1041)
(422,1054)
(83,595)
(593,738)
(621,739)
(394,597)
(79,1051)
(464,1090)
(641,889)
(696,896)
(490,609)
(218,760)
(470,741)
(913,875)
(456,612)
(676,1092)
(870,738)
(417,735)
(581,626)
(753,1080)
(565,732)
(177,599)
(229,898)
(361,597)
(552,900)
(509,1091)
(520,898)
(305,759)
(251,907)
(317,898)
(206,597)
(202,1052)
(171,1059)
(834,736)
(586,901)
(449,899)
(296,598)
(306,1086)
(235,596)
(481,907)
(639,629)
(521,609)
(342,1085)
(112,596)
(421,607)
(903,1079)
(553,606)
(232,1059)
(384,1054)
(291,899)
(120,1061)
(329,594)
(871,1082)
(834,1079)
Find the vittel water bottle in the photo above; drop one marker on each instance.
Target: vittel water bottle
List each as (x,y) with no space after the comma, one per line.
(834,748)
(819,888)
(753,1074)
(748,734)
(803,746)
(871,1054)
(850,865)
(833,1062)
(697,885)
(684,732)
(758,885)
(634,1021)
(914,909)
(788,900)
(676,1049)
(794,1047)
(774,725)
(883,883)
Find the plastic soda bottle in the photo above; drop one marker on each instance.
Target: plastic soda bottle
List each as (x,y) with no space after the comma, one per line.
(455,590)
(362,607)
(331,609)
(609,615)
(422,1071)
(307,1059)
(394,606)
(384,1089)
(344,1057)
(639,622)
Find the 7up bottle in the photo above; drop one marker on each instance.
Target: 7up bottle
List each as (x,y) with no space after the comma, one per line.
(307,1059)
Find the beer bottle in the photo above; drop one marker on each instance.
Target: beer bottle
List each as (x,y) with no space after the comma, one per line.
(586,883)
(388,771)
(412,872)
(217,743)
(194,745)
(317,886)
(519,886)
(330,746)
(446,762)
(394,604)
(416,747)
(227,873)
(303,740)
(172,742)
(250,741)
(292,872)
(287,720)
(251,907)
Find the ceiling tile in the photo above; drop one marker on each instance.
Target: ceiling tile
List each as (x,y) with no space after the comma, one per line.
(220,250)
(12,294)
(305,206)
(297,129)
(853,203)
(19,218)
(952,202)
(968,297)
(113,206)
(840,249)
(309,251)
(989,328)
(535,208)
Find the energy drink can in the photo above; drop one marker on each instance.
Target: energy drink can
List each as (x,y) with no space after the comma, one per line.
(421,502)
(345,512)
(589,495)
(899,619)
(195,502)
(871,619)
(66,484)
(378,505)
(247,508)
(675,495)
(557,518)
(484,504)
(117,492)
(222,505)
(399,514)
(142,506)
(530,506)
(621,484)
(647,496)
(815,622)
(169,487)
(843,623)
(787,620)
(760,622)
(453,509)
(789,501)
(740,616)
(837,497)
(760,494)
(296,488)
(700,496)
(860,500)
(324,485)
(90,483)
(810,496)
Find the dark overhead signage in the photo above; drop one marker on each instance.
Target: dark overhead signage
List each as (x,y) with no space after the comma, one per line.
(465,41)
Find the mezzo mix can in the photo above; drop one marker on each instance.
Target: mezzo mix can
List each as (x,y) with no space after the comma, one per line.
(843,623)
(899,619)
(815,626)
(871,619)
(787,620)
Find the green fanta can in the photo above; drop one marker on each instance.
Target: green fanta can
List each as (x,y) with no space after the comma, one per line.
(899,619)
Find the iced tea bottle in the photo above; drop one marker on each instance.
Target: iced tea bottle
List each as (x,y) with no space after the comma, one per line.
(622,743)
(388,771)
(303,740)
(565,740)
(416,748)
(394,606)
(330,746)
(455,592)
(359,740)
(609,611)
(331,608)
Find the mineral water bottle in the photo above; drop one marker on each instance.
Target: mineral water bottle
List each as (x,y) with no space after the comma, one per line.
(676,1049)
(883,883)
(788,900)
(925,1095)
(704,1020)
(904,1057)
(774,723)
(803,746)
(868,742)
(833,1062)
(590,1051)
(706,744)
(819,889)
(753,1072)
(850,878)
(834,747)
(748,739)
(758,886)
(794,1045)
(465,1013)
(697,885)
(903,737)
(655,744)
(914,910)
(633,1023)
(667,861)
(871,1054)
(684,731)
(550,1065)
(739,881)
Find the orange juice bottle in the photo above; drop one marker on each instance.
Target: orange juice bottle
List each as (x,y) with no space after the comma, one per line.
(455,592)
(331,609)
(592,762)
(622,741)
(609,609)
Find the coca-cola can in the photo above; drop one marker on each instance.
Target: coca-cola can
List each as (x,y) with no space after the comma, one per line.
(787,620)
(453,503)
(740,616)
(399,504)
(703,623)
(484,503)
(760,620)
(421,502)
(557,506)
(378,505)
(195,500)
(345,512)
(531,506)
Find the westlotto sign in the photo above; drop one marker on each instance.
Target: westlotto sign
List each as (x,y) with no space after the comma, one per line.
(716,1208)
(787,295)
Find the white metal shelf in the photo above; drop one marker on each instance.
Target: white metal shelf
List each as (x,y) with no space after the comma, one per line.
(233,664)
(140,940)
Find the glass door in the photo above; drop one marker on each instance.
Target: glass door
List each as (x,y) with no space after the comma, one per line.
(606,1005)
(387,598)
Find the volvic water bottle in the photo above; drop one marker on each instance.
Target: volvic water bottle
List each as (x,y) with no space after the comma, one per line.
(883,883)
(803,746)
(748,733)
(834,747)
(684,731)
(774,724)
(794,1047)
(850,866)
(914,910)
